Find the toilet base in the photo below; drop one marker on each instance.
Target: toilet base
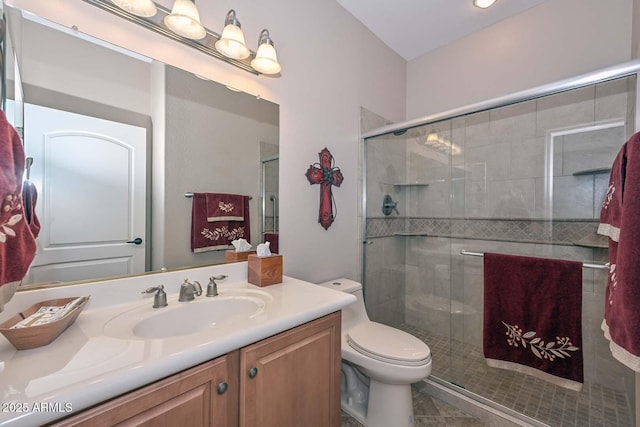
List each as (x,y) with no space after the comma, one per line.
(390,405)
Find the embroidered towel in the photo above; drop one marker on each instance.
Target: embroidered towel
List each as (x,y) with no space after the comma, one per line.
(225,207)
(533,317)
(17,243)
(211,236)
(620,221)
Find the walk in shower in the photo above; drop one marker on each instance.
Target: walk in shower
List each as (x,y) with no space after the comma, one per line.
(524,175)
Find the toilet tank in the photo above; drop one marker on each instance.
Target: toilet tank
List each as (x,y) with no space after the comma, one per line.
(355,313)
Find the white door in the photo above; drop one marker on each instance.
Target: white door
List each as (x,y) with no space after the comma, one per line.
(91,181)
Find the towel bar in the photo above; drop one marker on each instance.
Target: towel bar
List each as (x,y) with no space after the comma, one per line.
(584,264)
(190,194)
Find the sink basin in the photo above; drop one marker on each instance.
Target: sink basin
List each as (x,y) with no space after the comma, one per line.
(185,318)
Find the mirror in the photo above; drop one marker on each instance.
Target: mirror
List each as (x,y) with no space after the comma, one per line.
(194,135)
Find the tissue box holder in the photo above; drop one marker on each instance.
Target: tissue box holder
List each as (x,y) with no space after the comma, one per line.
(40,335)
(265,271)
(233,256)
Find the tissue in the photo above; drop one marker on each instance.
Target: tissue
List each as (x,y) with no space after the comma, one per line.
(241,245)
(263,249)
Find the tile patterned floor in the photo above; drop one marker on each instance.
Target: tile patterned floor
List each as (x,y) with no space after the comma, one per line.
(594,406)
(429,412)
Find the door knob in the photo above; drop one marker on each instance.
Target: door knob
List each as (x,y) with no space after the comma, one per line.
(136,241)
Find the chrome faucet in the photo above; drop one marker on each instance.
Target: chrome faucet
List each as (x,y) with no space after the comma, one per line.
(189,290)
(160,298)
(212,287)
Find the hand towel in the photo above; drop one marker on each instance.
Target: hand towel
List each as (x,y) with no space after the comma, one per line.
(17,243)
(620,221)
(218,235)
(533,317)
(225,207)
(272,238)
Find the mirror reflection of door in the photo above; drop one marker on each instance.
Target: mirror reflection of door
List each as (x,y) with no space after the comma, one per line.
(91,181)
(270,208)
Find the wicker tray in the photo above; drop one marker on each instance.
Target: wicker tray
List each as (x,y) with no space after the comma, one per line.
(39,335)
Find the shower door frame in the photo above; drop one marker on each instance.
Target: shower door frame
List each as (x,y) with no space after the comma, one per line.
(263,197)
(626,69)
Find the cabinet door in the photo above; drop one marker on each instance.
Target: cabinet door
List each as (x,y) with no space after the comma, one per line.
(194,397)
(293,378)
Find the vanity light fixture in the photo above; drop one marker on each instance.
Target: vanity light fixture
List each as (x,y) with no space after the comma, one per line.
(231,43)
(144,8)
(184,20)
(182,24)
(266,60)
(483,4)
(435,141)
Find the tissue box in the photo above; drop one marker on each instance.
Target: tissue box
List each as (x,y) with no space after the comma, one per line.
(265,271)
(233,256)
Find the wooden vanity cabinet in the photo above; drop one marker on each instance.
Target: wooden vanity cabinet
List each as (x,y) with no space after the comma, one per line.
(194,397)
(290,379)
(293,378)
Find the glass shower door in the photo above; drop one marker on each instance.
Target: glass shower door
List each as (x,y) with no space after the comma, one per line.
(410,195)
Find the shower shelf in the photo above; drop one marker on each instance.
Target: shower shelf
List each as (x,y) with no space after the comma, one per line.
(407,184)
(592,171)
(405,234)
(593,242)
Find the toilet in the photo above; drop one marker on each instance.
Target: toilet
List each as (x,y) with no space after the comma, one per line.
(379,364)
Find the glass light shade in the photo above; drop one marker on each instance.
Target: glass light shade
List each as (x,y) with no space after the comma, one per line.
(184,20)
(231,43)
(266,61)
(483,4)
(144,8)
(433,138)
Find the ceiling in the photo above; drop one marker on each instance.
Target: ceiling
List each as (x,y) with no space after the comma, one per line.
(414,27)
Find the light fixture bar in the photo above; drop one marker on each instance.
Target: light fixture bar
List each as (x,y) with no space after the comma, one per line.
(155,23)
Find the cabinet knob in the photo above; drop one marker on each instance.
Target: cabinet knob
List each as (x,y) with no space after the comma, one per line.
(253,372)
(222,387)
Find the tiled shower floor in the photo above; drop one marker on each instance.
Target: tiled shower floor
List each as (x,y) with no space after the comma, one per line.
(594,406)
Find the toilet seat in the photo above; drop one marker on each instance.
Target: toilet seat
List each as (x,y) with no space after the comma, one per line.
(387,344)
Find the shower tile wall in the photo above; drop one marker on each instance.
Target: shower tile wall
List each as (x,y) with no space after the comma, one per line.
(495,196)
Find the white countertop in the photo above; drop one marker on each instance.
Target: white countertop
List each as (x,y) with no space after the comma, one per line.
(85,366)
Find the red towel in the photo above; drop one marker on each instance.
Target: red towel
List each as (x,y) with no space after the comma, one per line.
(533,317)
(211,236)
(225,207)
(620,221)
(17,243)
(272,238)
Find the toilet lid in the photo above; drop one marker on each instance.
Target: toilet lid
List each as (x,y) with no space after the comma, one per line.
(388,344)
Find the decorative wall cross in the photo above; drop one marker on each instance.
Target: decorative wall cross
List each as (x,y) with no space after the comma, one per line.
(325,174)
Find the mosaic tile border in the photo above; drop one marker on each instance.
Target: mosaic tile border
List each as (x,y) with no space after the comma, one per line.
(563,232)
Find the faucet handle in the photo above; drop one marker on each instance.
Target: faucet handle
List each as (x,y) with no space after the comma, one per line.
(212,287)
(153,289)
(160,298)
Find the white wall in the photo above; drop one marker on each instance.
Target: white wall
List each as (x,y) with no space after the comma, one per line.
(331,64)
(555,40)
